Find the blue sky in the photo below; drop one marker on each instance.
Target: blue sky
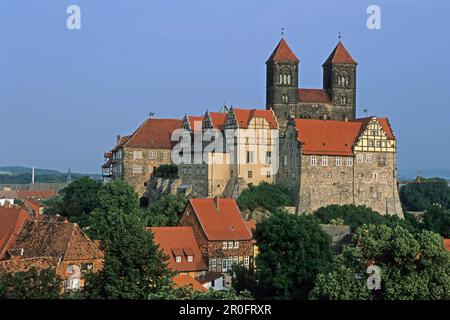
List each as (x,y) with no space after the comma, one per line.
(64,95)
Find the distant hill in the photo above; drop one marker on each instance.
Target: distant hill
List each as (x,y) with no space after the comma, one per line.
(408,174)
(20,175)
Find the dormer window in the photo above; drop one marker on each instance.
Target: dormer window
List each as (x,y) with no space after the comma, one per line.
(190,258)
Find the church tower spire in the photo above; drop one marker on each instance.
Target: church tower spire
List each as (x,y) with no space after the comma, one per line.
(339,80)
(282,81)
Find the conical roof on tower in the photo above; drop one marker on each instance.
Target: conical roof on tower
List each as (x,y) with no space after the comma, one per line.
(282,52)
(340,55)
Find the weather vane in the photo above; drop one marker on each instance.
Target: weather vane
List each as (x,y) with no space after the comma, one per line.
(282,32)
(339,36)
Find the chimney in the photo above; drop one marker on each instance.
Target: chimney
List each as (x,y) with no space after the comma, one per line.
(216,202)
(118,138)
(32,175)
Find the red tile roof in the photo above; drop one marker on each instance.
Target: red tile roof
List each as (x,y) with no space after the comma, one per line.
(244,116)
(447,244)
(330,137)
(184,280)
(23,265)
(154,133)
(11,221)
(218,120)
(223,223)
(340,55)
(282,52)
(179,241)
(251,225)
(195,120)
(313,96)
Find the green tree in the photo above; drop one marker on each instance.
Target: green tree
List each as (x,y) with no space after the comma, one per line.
(292,251)
(77,200)
(423,193)
(437,219)
(134,265)
(264,195)
(167,211)
(32,284)
(413,267)
(357,216)
(185,293)
(243,279)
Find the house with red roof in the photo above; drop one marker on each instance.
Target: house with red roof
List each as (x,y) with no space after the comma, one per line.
(221,233)
(328,162)
(11,221)
(237,148)
(180,246)
(136,157)
(336,100)
(447,244)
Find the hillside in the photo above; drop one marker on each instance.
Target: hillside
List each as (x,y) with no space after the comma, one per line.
(22,175)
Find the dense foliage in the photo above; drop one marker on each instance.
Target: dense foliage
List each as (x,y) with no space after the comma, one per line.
(292,251)
(185,293)
(33,284)
(134,266)
(167,171)
(167,211)
(424,193)
(264,195)
(412,267)
(437,219)
(356,216)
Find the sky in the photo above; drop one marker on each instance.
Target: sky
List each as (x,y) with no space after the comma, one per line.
(66,94)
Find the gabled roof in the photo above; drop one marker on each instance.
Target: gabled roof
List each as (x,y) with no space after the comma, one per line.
(329,137)
(179,241)
(282,52)
(340,55)
(313,96)
(244,116)
(184,280)
(218,120)
(11,221)
(193,120)
(153,133)
(55,239)
(222,223)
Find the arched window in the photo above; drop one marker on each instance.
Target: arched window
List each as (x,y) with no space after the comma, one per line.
(281,79)
(289,79)
(343,99)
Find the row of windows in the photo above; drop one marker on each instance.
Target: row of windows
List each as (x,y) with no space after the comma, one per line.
(285,78)
(373,176)
(151,155)
(251,157)
(230,245)
(189,170)
(324,161)
(227,263)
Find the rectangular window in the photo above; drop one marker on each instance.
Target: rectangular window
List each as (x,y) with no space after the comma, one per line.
(250,174)
(190,258)
(230,244)
(268,174)
(224,245)
(230,262)
(250,156)
(178,259)
(338,161)
(368,158)
(198,171)
(285,160)
(213,262)
(350,162)
(236,244)
(268,157)
(224,265)
(152,155)
(137,169)
(137,154)
(189,170)
(370,143)
(378,144)
(246,261)
(203,171)
(324,161)
(235,260)
(360,158)
(313,160)
(165,155)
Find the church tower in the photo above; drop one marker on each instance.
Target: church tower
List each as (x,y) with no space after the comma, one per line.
(282,82)
(339,80)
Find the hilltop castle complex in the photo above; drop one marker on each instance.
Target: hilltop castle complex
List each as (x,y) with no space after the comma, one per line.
(307,140)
